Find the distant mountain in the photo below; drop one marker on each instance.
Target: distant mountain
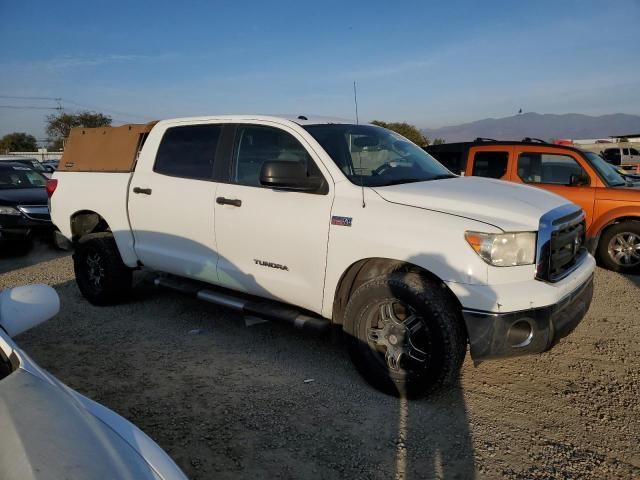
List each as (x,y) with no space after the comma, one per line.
(544,126)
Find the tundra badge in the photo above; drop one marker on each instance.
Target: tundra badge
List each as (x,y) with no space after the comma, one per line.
(271,265)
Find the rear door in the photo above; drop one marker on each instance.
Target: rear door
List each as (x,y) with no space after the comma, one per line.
(552,169)
(171,201)
(272,243)
(490,161)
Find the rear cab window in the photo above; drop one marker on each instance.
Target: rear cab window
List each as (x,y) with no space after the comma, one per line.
(188,151)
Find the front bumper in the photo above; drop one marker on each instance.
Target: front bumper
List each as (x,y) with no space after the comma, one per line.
(13,227)
(495,335)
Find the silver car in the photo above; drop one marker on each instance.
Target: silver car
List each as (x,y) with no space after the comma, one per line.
(48,430)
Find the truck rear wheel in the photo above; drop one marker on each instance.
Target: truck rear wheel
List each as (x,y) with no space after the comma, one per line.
(102,277)
(619,248)
(406,336)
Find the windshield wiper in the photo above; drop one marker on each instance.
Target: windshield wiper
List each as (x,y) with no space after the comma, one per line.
(398,181)
(443,176)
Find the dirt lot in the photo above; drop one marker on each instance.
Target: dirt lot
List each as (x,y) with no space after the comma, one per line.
(230,401)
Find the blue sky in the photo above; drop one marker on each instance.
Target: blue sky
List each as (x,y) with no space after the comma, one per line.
(429,63)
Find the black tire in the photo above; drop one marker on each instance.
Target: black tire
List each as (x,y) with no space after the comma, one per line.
(436,330)
(619,248)
(102,277)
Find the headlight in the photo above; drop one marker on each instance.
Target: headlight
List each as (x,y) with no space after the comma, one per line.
(9,211)
(504,249)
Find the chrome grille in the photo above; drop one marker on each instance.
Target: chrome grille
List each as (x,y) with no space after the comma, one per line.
(561,243)
(36,212)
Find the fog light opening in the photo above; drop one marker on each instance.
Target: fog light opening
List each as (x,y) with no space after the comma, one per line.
(520,334)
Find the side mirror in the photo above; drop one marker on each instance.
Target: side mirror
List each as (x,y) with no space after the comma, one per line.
(22,308)
(577,180)
(289,176)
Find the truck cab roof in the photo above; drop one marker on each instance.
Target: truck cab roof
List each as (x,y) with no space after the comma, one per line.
(299,119)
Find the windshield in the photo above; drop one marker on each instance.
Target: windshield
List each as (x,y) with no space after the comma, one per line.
(374,156)
(607,171)
(20,177)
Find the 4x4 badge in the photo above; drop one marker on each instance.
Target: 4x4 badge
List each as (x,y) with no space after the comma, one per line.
(341,221)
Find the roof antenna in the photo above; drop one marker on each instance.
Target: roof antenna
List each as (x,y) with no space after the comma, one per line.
(355,101)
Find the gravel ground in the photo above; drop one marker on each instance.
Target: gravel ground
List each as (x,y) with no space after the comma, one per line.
(230,401)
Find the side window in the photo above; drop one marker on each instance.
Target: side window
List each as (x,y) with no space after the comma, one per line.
(625,151)
(548,168)
(257,144)
(633,151)
(188,151)
(490,164)
(36,179)
(612,154)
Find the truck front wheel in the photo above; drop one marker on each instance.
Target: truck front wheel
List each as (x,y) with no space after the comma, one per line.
(406,335)
(619,248)
(102,277)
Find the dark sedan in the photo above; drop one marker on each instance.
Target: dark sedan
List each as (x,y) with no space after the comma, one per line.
(24,209)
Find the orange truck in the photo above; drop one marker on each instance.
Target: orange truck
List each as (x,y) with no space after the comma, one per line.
(610,201)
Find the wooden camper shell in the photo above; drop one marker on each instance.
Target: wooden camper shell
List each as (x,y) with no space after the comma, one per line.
(104,149)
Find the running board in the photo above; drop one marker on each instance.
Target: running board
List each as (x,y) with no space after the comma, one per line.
(256,307)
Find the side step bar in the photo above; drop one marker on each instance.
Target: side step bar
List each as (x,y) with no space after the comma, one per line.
(256,307)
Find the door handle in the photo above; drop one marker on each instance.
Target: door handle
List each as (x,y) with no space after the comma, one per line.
(145,191)
(228,201)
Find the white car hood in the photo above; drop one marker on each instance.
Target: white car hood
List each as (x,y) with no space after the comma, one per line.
(509,206)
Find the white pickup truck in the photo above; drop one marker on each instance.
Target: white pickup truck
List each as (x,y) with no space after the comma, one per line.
(319,222)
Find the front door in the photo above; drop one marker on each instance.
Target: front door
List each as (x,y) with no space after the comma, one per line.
(272,243)
(554,171)
(171,202)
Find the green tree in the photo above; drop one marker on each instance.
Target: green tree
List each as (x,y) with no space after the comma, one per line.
(438,141)
(406,130)
(60,124)
(18,142)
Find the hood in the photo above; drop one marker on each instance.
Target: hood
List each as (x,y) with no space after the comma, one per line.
(509,206)
(23,196)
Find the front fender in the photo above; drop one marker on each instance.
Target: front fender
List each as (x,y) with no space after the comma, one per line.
(613,216)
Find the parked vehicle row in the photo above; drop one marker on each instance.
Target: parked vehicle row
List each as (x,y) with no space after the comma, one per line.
(24,210)
(611,201)
(318,222)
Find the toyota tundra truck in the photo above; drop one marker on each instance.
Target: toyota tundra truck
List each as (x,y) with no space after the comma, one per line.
(317,223)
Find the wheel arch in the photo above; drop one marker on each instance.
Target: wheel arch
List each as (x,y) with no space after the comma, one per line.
(366,269)
(600,229)
(90,222)
(85,222)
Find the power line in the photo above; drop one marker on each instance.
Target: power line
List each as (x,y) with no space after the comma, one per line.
(28,107)
(57,99)
(124,114)
(60,101)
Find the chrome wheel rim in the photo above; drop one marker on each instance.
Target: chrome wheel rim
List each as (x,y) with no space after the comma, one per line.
(399,334)
(624,249)
(95,270)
